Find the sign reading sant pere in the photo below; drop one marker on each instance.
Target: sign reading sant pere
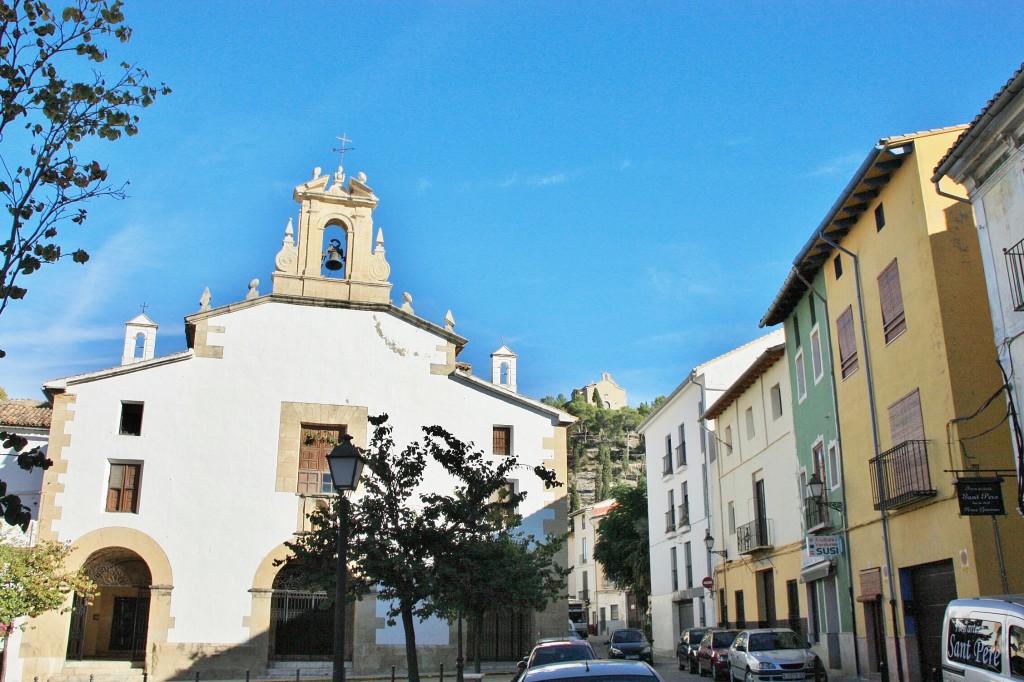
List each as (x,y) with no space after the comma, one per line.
(824,546)
(975,642)
(980,496)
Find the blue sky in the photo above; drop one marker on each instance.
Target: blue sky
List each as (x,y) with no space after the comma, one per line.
(607,187)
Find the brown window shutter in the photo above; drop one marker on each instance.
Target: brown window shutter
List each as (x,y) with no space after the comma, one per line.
(847,342)
(890,296)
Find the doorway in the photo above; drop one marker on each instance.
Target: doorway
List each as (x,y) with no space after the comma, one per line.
(116,625)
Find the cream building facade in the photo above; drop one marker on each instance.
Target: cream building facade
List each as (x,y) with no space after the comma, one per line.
(758,519)
(681,458)
(179,478)
(610,395)
(608,607)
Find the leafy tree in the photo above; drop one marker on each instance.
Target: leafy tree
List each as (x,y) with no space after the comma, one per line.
(504,571)
(575,501)
(34,580)
(3,393)
(52,99)
(607,474)
(623,548)
(397,534)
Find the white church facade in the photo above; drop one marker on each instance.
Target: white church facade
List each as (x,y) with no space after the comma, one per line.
(178,479)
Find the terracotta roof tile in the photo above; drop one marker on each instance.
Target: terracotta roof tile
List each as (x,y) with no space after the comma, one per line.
(30,413)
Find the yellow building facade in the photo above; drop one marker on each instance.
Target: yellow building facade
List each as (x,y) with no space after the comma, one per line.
(916,374)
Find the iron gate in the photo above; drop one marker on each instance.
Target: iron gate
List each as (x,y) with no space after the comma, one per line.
(503,636)
(302,626)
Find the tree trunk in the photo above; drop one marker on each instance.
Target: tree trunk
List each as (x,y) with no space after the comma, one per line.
(410,642)
(479,627)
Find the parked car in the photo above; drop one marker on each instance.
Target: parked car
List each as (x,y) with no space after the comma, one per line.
(713,653)
(984,639)
(773,655)
(594,671)
(630,643)
(555,651)
(686,648)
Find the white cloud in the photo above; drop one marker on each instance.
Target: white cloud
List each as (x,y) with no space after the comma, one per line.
(840,165)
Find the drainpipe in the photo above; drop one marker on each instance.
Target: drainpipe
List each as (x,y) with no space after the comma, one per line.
(874,435)
(839,442)
(938,190)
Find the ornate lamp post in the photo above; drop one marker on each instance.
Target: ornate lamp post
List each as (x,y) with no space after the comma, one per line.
(346,465)
(709,543)
(817,489)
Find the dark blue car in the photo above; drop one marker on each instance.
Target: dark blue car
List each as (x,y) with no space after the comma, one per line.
(630,644)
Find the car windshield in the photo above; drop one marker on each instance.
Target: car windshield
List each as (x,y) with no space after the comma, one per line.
(723,639)
(559,654)
(609,678)
(772,641)
(696,636)
(628,636)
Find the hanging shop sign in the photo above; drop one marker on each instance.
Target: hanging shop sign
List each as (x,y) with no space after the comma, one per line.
(824,546)
(980,496)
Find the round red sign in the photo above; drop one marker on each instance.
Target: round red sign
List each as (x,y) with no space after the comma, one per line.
(708,582)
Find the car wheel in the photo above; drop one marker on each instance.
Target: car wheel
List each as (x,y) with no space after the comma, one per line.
(750,676)
(692,665)
(700,669)
(680,662)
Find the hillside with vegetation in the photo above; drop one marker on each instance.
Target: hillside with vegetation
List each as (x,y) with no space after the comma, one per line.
(605,448)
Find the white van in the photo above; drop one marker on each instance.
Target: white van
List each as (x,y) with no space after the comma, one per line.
(983,640)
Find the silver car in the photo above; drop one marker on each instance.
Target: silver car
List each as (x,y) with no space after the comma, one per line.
(593,671)
(773,655)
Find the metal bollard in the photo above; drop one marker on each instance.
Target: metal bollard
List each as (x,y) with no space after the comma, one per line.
(145,676)
(442,672)
(246,676)
(197,676)
(298,671)
(392,673)
(90,677)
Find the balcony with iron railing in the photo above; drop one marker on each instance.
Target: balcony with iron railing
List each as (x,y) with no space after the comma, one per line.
(900,476)
(583,595)
(684,515)
(816,517)
(666,465)
(1015,272)
(680,456)
(583,558)
(753,536)
(670,520)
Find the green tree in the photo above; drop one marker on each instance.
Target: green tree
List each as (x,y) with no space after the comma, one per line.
(397,534)
(52,98)
(3,393)
(504,571)
(623,548)
(605,478)
(34,580)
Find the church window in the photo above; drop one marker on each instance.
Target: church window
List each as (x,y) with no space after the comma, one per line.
(503,380)
(140,346)
(314,477)
(502,440)
(131,418)
(123,487)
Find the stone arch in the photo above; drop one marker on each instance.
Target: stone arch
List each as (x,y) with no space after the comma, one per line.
(139,346)
(336,227)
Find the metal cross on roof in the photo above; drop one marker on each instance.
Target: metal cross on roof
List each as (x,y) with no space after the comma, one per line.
(143,306)
(342,149)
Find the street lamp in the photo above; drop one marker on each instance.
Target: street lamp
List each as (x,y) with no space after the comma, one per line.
(709,542)
(346,464)
(816,487)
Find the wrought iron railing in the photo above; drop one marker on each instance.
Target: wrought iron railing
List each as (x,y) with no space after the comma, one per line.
(681,455)
(666,464)
(670,520)
(583,595)
(684,515)
(1015,272)
(816,514)
(900,476)
(753,536)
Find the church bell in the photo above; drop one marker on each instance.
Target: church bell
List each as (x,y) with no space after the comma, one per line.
(334,257)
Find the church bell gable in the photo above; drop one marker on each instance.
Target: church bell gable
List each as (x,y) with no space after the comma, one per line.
(337,256)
